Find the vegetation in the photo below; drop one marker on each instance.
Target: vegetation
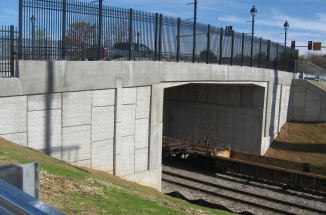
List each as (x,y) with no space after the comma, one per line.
(317,59)
(82,191)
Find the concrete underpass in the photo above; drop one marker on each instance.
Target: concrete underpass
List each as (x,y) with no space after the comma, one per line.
(228,114)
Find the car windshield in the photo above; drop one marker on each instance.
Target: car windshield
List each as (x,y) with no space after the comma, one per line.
(141,47)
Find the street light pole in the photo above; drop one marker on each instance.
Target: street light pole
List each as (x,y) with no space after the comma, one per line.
(33,35)
(253,12)
(286,27)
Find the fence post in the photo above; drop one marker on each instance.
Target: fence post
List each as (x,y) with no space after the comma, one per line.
(12,51)
(130,34)
(208,43)
(291,62)
(194,33)
(160,38)
(242,48)
(100,7)
(178,40)
(156,35)
(284,58)
(64,23)
(221,46)
(268,53)
(276,57)
(260,52)
(232,47)
(20,30)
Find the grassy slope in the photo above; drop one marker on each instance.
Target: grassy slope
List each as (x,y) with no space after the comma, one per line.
(301,142)
(82,191)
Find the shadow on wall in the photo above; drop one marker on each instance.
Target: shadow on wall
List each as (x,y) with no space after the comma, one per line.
(301,147)
(48,106)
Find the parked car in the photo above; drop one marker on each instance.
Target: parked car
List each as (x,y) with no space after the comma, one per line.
(121,50)
(92,53)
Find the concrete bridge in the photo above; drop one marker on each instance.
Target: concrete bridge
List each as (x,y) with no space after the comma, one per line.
(111,116)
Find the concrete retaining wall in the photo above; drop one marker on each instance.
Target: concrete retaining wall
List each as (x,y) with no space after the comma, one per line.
(308,102)
(108,115)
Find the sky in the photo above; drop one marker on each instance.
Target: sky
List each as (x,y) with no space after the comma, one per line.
(307,18)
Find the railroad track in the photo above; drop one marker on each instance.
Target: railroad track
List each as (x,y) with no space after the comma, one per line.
(270,205)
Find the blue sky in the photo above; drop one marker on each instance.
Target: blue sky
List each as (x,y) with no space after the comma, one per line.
(307,18)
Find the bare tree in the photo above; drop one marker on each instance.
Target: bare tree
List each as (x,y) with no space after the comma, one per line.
(80,35)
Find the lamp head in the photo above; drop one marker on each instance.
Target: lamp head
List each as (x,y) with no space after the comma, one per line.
(253,11)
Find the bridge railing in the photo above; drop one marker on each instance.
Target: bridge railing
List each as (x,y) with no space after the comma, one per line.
(74,30)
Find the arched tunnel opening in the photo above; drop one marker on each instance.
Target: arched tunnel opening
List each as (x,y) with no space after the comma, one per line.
(221,115)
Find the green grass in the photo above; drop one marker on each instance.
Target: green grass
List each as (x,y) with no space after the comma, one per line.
(76,191)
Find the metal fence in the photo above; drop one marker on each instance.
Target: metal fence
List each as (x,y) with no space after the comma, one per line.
(73,30)
(8,42)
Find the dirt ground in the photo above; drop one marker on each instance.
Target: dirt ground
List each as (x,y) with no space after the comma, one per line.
(301,142)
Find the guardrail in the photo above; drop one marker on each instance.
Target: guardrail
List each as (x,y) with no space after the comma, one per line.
(19,188)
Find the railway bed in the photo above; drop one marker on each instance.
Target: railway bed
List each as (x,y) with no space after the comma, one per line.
(292,174)
(255,197)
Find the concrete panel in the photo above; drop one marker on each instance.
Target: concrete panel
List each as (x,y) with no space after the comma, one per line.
(129,96)
(212,94)
(39,77)
(9,87)
(128,123)
(299,99)
(44,102)
(76,108)
(311,96)
(298,114)
(220,72)
(223,95)
(155,149)
(311,118)
(141,160)
(44,129)
(76,144)
(298,89)
(141,133)
(103,98)
(18,138)
(13,115)
(246,97)
(312,109)
(323,103)
(258,97)
(235,96)
(90,75)
(179,72)
(193,94)
(102,123)
(323,115)
(143,102)
(102,155)
(139,73)
(203,93)
(125,161)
